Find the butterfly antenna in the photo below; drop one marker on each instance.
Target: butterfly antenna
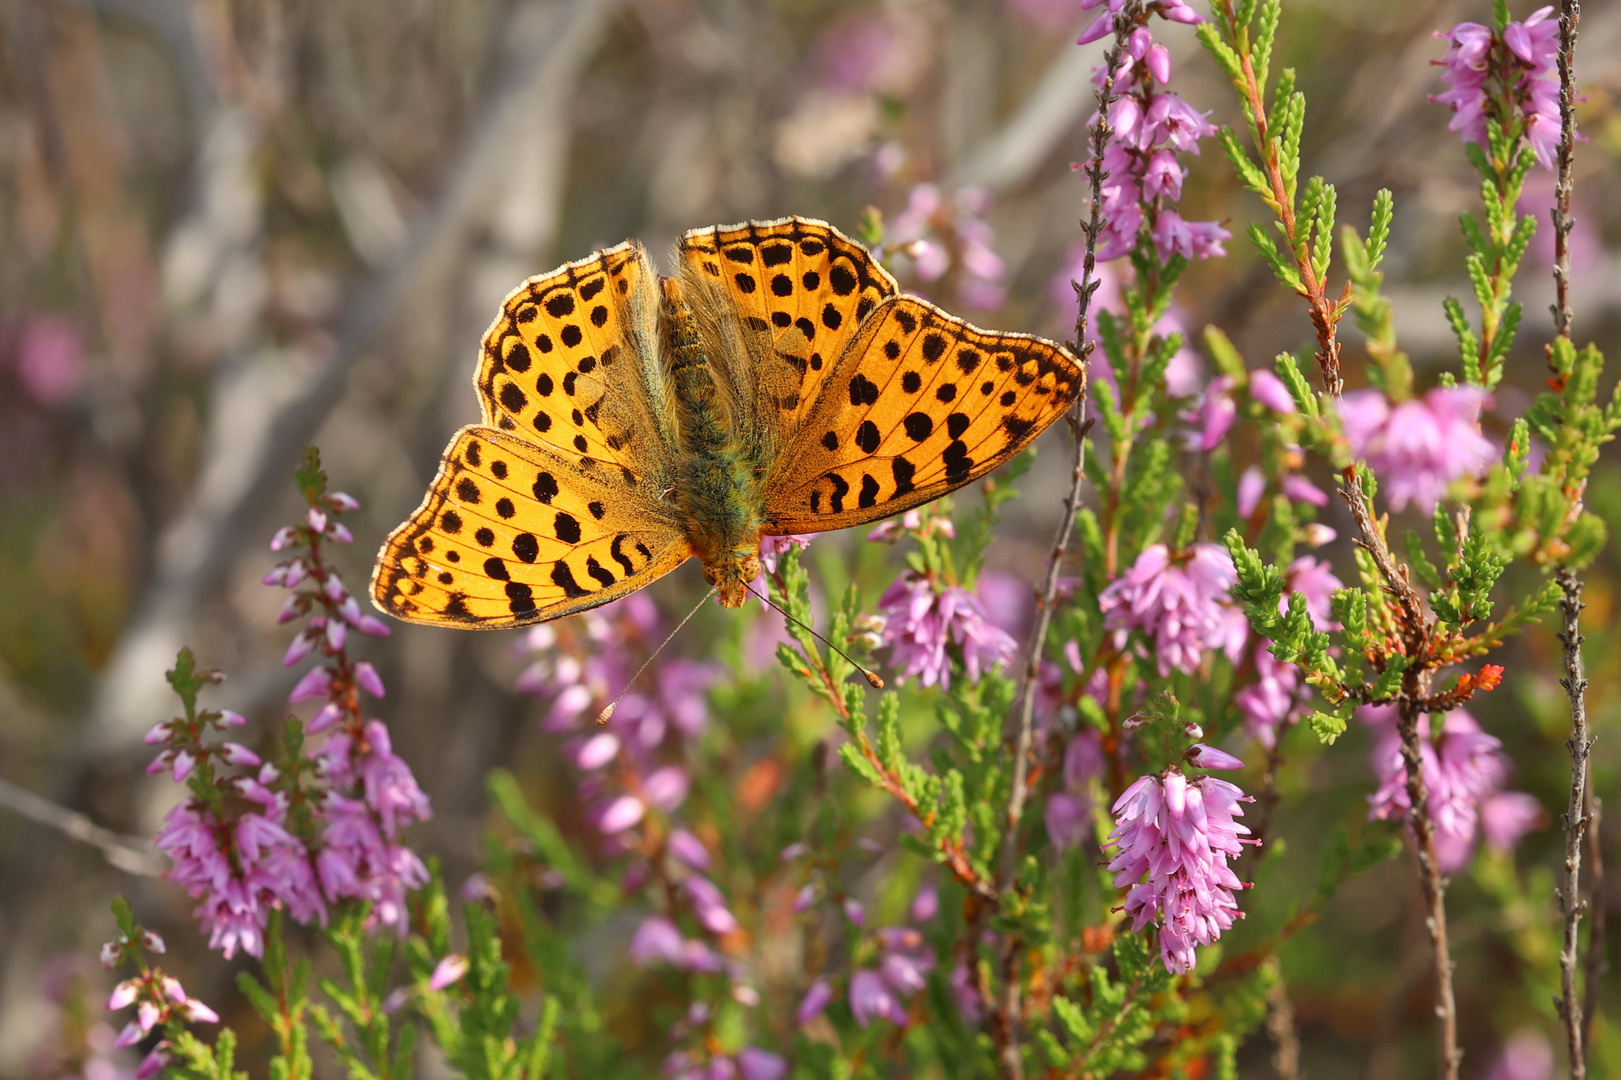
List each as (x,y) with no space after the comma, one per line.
(872,676)
(606,714)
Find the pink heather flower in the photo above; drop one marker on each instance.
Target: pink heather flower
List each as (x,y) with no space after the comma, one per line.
(1269,390)
(1173,839)
(385,780)
(1418,447)
(1150,127)
(756,1064)
(1180,603)
(709,905)
(969,1004)
(1214,415)
(925,905)
(1508,815)
(773,548)
(359,861)
(620,814)
(657,940)
(1525,59)
(919,622)
(239,871)
(50,359)
(1269,701)
(1068,815)
(1201,756)
(1462,769)
(367,679)
(872,999)
(1251,486)
(1526,1056)
(815,1001)
(689,849)
(448,972)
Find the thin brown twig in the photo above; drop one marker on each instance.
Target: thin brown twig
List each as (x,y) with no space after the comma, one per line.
(1575,818)
(1570,15)
(1280,1025)
(1575,1011)
(1012,1061)
(1595,963)
(127,853)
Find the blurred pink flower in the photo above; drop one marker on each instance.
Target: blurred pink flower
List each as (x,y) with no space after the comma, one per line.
(1179,602)
(1418,447)
(872,999)
(1068,814)
(50,359)
(1462,770)
(816,999)
(1526,1056)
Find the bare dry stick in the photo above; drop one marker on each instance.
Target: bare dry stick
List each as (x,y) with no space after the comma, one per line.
(1575,1011)
(1280,1025)
(130,854)
(1575,818)
(1012,1062)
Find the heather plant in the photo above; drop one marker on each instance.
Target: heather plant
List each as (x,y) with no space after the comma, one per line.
(1043,847)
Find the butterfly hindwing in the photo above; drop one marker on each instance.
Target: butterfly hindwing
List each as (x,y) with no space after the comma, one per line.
(571,363)
(513,533)
(794,293)
(919,403)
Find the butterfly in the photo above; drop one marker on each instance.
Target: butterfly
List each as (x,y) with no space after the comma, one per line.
(780,384)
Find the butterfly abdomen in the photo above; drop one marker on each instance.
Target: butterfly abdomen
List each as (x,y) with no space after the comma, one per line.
(717,486)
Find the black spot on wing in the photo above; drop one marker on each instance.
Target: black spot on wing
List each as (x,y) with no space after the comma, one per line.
(841,488)
(526,547)
(904,471)
(563,578)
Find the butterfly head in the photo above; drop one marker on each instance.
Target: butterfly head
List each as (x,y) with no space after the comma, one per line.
(731,574)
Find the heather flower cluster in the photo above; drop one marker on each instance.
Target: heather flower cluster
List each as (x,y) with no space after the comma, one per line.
(937,234)
(922,616)
(1180,603)
(1151,126)
(324,824)
(1464,770)
(1509,77)
(636,762)
(893,969)
(1418,447)
(160,1002)
(1173,839)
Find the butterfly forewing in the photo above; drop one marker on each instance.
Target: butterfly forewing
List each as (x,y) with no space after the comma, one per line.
(513,533)
(920,403)
(571,363)
(796,291)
